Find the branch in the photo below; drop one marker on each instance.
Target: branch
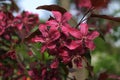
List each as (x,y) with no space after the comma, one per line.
(117,19)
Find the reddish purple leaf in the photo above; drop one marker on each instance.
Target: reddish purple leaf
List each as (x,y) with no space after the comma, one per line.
(52,8)
(30,36)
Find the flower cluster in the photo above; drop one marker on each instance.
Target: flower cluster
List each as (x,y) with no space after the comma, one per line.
(64,42)
(12,30)
(6,19)
(57,38)
(26,21)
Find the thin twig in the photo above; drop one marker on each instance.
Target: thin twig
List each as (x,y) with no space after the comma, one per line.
(86,13)
(117,19)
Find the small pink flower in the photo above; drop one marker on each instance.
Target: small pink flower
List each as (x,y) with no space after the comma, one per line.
(47,37)
(84,37)
(26,20)
(12,55)
(60,21)
(54,64)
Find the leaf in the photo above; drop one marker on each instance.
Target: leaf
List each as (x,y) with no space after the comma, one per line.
(101,35)
(117,19)
(14,6)
(52,8)
(103,76)
(88,56)
(30,36)
(106,76)
(2,51)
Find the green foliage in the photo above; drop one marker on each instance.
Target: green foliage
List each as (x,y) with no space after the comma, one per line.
(106,62)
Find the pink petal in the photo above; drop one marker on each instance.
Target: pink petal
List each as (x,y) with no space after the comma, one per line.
(2,15)
(65,56)
(42,27)
(43,72)
(43,48)
(38,39)
(73,44)
(30,72)
(19,26)
(84,28)
(93,35)
(66,59)
(52,23)
(54,33)
(90,45)
(75,33)
(54,64)
(57,15)
(51,46)
(65,30)
(1,30)
(67,16)
(43,30)
(64,53)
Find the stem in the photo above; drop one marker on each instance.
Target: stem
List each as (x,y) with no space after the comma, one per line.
(19,62)
(86,13)
(117,19)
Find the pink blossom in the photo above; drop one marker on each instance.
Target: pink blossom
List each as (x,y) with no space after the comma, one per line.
(54,64)
(48,37)
(85,37)
(26,20)
(2,22)
(60,21)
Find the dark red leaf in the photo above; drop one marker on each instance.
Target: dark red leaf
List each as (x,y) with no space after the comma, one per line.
(117,19)
(106,76)
(14,6)
(103,76)
(52,8)
(30,36)
(114,76)
(99,3)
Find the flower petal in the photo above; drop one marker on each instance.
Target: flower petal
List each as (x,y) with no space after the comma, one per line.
(52,23)
(75,33)
(57,15)
(54,64)
(64,53)
(38,39)
(67,16)
(54,33)
(43,30)
(51,45)
(72,44)
(84,28)
(65,30)
(43,48)
(93,35)
(65,56)
(90,45)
